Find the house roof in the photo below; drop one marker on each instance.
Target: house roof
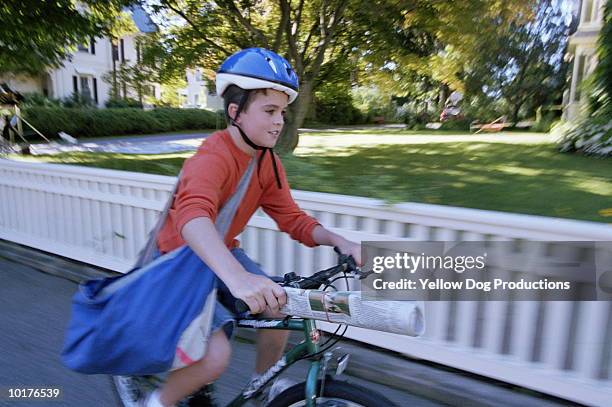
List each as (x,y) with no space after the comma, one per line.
(142,19)
(8,96)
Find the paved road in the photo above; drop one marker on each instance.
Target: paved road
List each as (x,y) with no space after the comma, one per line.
(171,143)
(148,144)
(34,310)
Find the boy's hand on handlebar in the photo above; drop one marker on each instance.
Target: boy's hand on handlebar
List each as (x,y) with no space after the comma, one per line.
(350,248)
(259,293)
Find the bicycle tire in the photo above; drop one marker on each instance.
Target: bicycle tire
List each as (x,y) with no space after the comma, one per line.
(337,393)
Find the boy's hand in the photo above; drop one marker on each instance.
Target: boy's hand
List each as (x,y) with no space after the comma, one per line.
(323,236)
(352,248)
(258,292)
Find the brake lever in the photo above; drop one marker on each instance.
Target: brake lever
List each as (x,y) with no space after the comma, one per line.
(364,274)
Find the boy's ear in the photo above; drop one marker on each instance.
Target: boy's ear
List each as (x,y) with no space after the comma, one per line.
(232,109)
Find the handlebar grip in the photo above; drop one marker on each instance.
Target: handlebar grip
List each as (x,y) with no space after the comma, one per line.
(345,258)
(241,306)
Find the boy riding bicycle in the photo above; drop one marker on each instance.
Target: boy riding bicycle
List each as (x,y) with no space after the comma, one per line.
(257,85)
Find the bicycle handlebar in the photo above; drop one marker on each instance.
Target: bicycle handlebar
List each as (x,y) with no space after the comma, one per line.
(346,264)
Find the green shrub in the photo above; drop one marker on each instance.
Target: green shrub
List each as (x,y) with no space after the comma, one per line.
(417,120)
(123,103)
(456,125)
(334,105)
(372,103)
(78,100)
(88,122)
(545,123)
(38,99)
(590,136)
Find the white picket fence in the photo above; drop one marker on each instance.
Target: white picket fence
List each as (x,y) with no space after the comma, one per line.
(102,217)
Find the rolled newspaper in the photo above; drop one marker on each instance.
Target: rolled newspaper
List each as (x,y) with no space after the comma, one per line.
(347,307)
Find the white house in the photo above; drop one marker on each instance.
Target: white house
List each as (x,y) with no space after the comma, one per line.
(582,51)
(83,73)
(197,95)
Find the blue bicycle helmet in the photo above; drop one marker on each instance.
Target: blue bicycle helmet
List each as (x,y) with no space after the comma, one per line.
(258,68)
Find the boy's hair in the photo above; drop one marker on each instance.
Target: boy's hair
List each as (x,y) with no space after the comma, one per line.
(241,97)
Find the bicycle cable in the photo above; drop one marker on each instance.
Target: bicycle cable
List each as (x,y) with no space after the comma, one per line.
(334,335)
(338,278)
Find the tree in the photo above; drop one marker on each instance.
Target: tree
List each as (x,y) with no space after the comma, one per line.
(37,35)
(170,92)
(600,103)
(386,39)
(522,63)
(123,25)
(426,51)
(137,78)
(304,32)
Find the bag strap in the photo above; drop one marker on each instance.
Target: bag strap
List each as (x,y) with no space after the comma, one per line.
(222,223)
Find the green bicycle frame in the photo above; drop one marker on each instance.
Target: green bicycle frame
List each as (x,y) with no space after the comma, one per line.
(310,345)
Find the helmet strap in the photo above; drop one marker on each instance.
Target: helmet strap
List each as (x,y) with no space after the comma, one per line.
(252,144)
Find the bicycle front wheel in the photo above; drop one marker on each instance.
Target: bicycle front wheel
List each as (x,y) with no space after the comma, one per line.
(336,393)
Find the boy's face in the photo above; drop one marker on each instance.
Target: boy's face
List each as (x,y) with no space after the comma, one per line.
(264,118)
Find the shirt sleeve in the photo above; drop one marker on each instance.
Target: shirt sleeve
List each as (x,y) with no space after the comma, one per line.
(201,187)
(280,206)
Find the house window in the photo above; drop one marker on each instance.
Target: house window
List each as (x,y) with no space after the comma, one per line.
(588,11)
(86,86)
(211,88)
(88,47)
(598,12)
(195,100)
(580,74)
(198,75)
(149,90)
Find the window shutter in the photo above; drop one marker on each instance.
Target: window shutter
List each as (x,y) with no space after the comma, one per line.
(115,51)
(95,90)
(122,50)
(75,84)
(93,46)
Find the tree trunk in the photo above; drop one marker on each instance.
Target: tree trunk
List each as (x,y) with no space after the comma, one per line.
(290,137)
(444,92)
(515,112)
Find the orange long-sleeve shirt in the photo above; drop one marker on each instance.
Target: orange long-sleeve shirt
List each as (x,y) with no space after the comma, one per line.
(209,179)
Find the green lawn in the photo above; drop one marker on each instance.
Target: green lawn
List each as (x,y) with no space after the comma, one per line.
(532,179)
(384,131)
